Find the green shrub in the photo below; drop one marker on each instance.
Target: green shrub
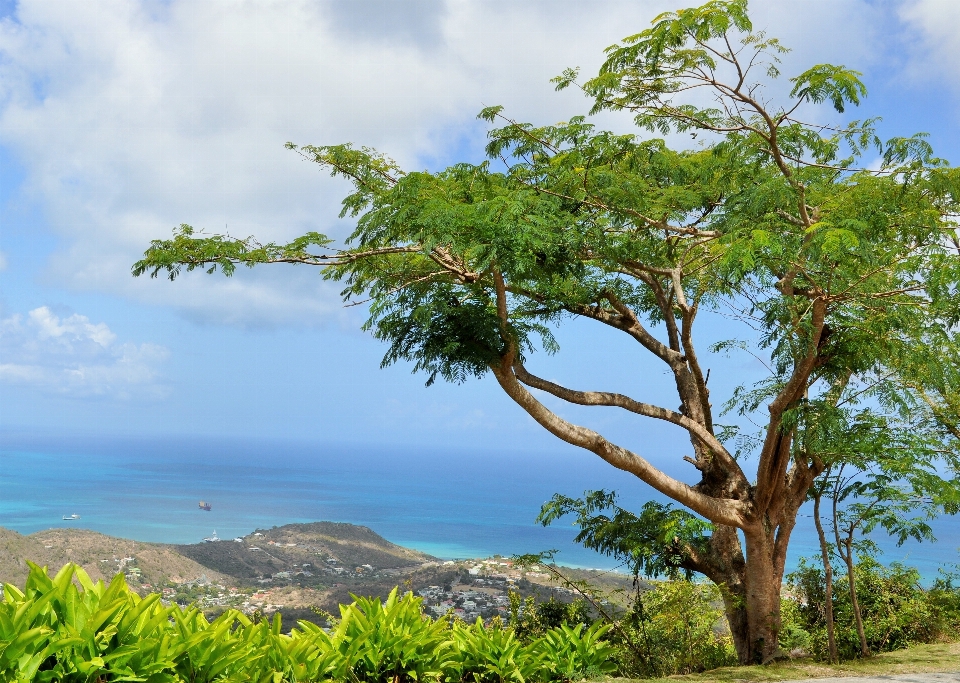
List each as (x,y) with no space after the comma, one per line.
(944,598)
(897,611)
(794,637)
(394,640)
(530,619)
(553,613)
(678,627)
(493,655)
(54,631)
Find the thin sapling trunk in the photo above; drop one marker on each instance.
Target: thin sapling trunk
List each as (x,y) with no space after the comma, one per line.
(828,579)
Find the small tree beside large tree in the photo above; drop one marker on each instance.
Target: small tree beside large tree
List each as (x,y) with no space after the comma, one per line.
(837,252)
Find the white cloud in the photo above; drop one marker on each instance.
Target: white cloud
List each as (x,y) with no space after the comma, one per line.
(72,356)
(68,331)
(3,261)
(937,23)
(132,117)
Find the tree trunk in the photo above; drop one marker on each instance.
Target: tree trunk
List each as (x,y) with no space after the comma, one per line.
(762,582)
(734,605)
(828,577)
(750,587)
(726,568)
(852,580)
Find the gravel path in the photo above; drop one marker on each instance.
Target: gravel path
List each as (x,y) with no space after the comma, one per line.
(900,678)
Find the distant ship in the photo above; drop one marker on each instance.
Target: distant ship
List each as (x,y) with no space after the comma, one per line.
(71,518)
(204,506)
(212,539)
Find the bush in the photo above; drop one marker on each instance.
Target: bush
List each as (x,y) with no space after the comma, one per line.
(393,640)
(897,611)
(492,655)
(794,637)
(678,627)
(530,619)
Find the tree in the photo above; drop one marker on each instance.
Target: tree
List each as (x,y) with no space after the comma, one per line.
(832,655)
(886,479)
(833,268)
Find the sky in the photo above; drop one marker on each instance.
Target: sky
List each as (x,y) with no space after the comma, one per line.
(120,120)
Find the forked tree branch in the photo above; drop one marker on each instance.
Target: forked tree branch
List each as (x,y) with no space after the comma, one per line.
(720,511)
(602,398)
(775,454)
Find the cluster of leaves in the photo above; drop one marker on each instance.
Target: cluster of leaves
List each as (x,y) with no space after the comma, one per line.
(655,542)
(579,211)
(897,610)
(677,627)
(68,628)
(531,620)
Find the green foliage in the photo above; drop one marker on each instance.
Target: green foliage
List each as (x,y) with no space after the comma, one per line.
(55,630)
(578,211)
(794,638)
(67,628)
(944,597)
(677,627)
(493,655)
(223,252)
(897,610)
(393,640)
(571,653)
(564,653)
(656,542)
(530,619)
(826,82)
(553,613)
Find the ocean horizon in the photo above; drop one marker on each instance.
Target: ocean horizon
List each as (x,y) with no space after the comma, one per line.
(454,503)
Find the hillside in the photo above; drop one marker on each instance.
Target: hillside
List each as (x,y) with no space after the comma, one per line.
(305,554)
(292,568)
(102,557)
(313,554)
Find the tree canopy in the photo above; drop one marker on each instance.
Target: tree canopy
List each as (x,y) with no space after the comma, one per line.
(837,251)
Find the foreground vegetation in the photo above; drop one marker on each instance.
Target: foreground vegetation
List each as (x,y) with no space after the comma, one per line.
(895,611)
(69,628)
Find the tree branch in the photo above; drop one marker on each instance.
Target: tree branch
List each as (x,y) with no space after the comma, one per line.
(721,511)
(775,455)
(626,321)
(602,398)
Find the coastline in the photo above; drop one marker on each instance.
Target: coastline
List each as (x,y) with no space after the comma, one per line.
(448,504)
(291,569)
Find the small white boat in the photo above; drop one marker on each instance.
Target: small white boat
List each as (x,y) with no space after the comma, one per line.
(71,518)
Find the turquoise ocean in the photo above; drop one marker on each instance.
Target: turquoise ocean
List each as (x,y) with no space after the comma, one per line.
(452,503)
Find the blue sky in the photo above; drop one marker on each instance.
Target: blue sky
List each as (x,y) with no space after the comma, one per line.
(121,119)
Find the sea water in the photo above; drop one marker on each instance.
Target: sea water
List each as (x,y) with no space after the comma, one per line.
(451,503)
